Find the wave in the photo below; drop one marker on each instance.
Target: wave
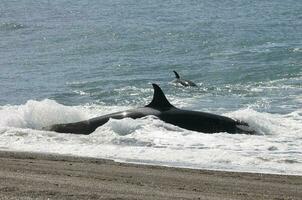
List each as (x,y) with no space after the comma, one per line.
(271,124)
(37,114)
(152,141)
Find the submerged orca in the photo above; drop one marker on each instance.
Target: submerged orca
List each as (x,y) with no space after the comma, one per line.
(161,108)
(181,81)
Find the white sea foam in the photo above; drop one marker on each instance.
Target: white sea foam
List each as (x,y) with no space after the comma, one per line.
(150,140)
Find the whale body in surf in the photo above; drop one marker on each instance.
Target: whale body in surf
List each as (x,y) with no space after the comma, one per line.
(161,108)
(180,81)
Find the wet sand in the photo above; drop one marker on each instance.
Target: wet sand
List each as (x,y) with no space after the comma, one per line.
(48,176)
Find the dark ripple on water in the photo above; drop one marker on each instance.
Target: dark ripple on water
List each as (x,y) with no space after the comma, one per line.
(11,26)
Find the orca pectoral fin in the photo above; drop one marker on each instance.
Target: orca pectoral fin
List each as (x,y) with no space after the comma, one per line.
(244,128)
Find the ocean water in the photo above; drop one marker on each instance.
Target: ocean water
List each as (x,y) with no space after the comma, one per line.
(65,61)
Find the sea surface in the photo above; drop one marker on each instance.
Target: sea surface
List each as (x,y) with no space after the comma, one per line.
(64,61)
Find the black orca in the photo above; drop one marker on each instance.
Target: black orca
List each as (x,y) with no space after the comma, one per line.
(161,108)
(182,82)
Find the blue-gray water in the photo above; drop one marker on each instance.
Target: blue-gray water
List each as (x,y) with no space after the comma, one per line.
(99,56)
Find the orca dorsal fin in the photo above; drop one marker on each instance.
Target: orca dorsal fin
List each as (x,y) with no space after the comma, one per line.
(176,74)
(159,100)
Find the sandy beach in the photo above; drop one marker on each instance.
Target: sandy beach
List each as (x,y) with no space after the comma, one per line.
(47,176)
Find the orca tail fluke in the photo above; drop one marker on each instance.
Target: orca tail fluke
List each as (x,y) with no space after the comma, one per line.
(82,128)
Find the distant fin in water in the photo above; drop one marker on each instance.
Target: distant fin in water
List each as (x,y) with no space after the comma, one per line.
(176,75)
(182,82)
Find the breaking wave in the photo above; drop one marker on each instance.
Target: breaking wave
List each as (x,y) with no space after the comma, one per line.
(151,141)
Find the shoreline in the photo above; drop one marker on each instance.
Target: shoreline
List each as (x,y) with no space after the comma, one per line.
(50,176)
